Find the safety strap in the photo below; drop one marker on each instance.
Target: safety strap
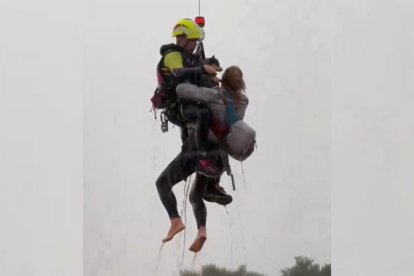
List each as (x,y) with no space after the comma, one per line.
(226,165)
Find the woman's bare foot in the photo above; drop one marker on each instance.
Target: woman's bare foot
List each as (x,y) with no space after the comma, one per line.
(176,226)
(199,241)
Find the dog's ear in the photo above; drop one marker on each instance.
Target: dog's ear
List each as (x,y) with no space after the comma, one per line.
(214,60)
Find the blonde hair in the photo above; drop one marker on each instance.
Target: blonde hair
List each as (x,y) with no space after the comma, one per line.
(232,81)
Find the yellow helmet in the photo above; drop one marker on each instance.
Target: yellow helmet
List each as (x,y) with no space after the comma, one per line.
(188,28)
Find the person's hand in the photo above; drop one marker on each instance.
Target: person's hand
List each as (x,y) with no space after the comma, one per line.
(210,69)
(216,80)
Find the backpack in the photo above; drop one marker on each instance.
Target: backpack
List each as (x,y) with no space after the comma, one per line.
(160,97)
(164,93)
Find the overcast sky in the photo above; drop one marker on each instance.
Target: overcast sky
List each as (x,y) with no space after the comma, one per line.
(281,208)
(330,88)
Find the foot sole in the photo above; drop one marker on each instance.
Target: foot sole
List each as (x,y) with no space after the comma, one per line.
(197,244)
(171,235)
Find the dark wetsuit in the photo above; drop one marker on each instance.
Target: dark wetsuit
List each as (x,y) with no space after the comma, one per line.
(177,67)
(186,68)
(199,188)
(179,169)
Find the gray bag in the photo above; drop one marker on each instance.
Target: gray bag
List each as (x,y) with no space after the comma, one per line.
(240,141)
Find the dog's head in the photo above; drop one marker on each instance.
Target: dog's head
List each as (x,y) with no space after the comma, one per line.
(214,62)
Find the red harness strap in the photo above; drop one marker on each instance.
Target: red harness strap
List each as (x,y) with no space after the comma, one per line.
(219,130)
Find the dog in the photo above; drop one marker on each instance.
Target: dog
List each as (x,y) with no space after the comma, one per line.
(214,62)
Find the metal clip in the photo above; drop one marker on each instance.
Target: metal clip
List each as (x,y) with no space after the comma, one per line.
(164,122)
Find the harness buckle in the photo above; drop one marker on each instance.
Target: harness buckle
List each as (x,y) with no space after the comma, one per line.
(164,122)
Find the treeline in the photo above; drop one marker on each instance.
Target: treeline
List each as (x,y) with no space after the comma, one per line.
(304,266)
(212,270)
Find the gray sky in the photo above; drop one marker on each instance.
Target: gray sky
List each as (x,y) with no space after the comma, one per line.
(283,208)
(330,87)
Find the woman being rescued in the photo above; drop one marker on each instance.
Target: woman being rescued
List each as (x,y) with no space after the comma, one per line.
(228,104)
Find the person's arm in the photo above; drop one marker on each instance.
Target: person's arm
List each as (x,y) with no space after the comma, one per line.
(196,75)
(241,109)
(191,92)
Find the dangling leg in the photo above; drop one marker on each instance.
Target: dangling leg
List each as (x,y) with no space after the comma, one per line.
(213,191)
(198,243)
(176,226)
(200,211)
(216,193)
(181,167)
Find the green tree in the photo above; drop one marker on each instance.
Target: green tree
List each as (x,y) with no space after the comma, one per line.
(326,270)
(188,273)
(306,267)
(212,270)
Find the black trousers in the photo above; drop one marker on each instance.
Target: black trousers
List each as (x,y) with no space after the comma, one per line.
(198,189)
(181,167)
